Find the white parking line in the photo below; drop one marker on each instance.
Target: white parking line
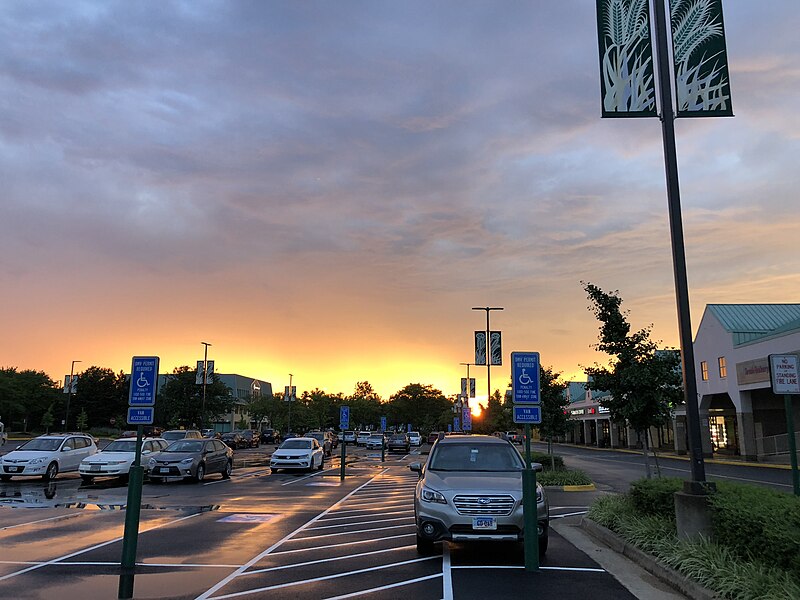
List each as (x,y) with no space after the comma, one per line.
(326,535)
(577,569)
(343,544)
(314,474)
(90,548)
(325,578)
(325,560)
(447,574)
(341,512)
(394,512)
(385,587)
(42,521)
(360,523)
(583,512)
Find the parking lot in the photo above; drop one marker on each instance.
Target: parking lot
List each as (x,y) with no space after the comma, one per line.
(263,535)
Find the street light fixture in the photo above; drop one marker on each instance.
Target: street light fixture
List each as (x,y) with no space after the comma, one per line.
(205,374)
(69,397)
(488,309)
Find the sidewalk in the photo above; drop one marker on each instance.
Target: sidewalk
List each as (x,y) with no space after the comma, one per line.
(718,459)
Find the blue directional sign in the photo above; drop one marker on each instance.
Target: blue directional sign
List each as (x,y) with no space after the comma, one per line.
(528,414)
(344,417)
(144,381)
(140,416)
(525,377)
(456,424)
(466,418)
(383,423)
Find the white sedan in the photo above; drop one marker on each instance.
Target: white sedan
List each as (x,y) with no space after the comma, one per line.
(298,453)
(116,459)
(415,438)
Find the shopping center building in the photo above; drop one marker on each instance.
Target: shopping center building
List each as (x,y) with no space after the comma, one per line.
(739,414)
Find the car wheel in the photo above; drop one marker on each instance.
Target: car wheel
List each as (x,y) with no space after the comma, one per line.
(273,471)
(226,473)
(52,471)
(87,479)
(321,463)
(543,545)
(124,478)
(424,546)
(200,474)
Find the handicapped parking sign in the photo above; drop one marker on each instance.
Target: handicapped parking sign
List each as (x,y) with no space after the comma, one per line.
(344,417)
(525,377)
(144,381)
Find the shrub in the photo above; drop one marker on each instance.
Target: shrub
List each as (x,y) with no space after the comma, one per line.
(656,496)
(545,460)
(758,523)
(563,477)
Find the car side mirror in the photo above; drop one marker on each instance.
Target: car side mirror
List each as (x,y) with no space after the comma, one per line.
(537,467)
(146,452)
(66,448)
(416,467)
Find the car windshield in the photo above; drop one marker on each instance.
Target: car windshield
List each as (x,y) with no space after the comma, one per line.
(399,437)
(42,444)
(295,444)
(414,434)
(318,436)
(174,435)
(185,446)
(121,446)
(475,457)
(376,436)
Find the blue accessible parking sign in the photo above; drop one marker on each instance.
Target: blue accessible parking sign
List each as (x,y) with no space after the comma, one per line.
(525,377)
(140,416)
(528,414)
(144,381)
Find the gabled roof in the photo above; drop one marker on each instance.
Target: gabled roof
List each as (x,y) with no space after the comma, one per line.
(749,322)
(577,390)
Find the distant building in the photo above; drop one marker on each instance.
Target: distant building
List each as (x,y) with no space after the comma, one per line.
(739,414)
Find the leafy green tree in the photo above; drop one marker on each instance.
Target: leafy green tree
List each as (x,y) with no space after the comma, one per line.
(554,406)
(421,405)
(47,419)
(82,420)
(491,418)
(101,395)
(644,382)
(26,395)
(180,399)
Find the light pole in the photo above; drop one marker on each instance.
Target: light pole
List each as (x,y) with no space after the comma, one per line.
(288,399)
(488,309)
(205,375)
(468,365)
(69,396)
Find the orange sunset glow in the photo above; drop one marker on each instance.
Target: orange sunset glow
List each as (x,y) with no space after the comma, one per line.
(332,201)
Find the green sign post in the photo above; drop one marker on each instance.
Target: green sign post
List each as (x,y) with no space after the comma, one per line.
(784,372)
(531,541)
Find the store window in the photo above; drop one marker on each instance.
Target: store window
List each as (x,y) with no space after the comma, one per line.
(704,370)
(723,368)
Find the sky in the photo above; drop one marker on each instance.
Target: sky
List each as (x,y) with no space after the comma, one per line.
(327,188)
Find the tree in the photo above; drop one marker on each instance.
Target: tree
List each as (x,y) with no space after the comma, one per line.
(180,399)
(47,419)
(101,395)
(26,395)
(644,382)
(554,406)
(82,420)
(421,405)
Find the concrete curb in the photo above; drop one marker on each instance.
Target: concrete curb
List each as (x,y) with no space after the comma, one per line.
(571,488)
(650,564)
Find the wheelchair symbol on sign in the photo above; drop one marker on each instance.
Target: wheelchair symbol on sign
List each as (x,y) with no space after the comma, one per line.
(142,381)
(525,379)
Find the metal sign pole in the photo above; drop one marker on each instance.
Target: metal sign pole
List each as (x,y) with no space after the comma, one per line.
(787,401)
(531,540)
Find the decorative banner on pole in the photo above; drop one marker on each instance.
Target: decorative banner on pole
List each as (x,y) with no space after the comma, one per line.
(497,348)
(700,59)
(471,387)
(70,386)
(627,84)
(289,393)
(209,372)
(480,347)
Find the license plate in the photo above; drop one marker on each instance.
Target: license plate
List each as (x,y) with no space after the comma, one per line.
(163,470)
(94,467)
(484,523)
(15,469)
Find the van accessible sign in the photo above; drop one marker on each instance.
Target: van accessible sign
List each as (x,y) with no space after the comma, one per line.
(783,371)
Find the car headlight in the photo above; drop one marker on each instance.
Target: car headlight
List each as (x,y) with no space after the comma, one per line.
(429,495)
(539,493)
(151,463)
(187,461)
(37,461)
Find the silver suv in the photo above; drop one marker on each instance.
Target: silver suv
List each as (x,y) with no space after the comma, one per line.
(471,490)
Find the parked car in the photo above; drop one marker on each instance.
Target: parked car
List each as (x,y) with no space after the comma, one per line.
(513,437)
(302,453)
(433,436)
(376,441)
(471,490)
(233,440)
(3,434)
(270,436)
(349,437)
(362,437)
(193,458)
(250,437)
(415,438)
(181,434)
(333,438)
(323,439)
(210,433)
(47,456)
(115,460)
(398,442)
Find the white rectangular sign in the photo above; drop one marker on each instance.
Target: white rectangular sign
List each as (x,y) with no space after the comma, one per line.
(783,371)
